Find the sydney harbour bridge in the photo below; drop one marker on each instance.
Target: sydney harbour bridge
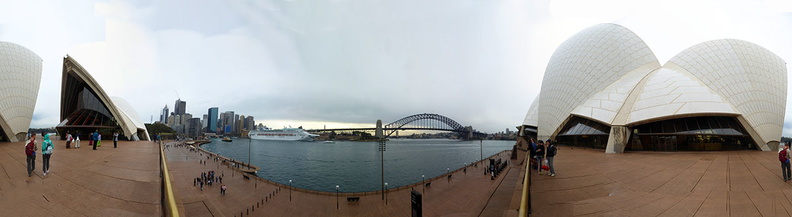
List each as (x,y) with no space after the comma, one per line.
(419,122)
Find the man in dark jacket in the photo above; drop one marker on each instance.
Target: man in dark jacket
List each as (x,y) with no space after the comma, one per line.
(551,153)
(540,153)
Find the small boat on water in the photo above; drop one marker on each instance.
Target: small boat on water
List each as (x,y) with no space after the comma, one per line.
(227,139)
(329,141)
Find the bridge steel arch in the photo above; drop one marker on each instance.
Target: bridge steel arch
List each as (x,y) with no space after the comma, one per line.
(451,124)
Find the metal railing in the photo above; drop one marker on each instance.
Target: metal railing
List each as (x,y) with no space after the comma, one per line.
(525,202)
(169,207)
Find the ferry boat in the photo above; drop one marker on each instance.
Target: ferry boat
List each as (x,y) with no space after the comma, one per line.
(285,134)
(227,139)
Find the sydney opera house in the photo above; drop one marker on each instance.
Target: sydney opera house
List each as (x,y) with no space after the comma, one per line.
(604,88)
(86,107)
(20,77)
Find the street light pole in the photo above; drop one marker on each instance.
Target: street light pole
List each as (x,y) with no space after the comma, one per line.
(381,137)
(336,196)
(423,182)
(481,145)
(248,163)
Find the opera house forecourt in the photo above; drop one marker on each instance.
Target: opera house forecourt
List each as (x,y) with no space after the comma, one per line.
(604,88)
(85,107)
(20,77)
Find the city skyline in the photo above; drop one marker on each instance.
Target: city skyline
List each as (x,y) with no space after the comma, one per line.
(351,63)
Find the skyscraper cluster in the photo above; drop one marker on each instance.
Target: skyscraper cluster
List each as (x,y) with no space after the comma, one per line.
(226,123)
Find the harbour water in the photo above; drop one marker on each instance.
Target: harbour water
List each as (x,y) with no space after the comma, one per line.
(355,166)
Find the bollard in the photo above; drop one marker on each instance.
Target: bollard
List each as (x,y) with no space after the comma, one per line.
(253,208)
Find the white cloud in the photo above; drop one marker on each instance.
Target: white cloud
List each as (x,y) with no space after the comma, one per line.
(480,63)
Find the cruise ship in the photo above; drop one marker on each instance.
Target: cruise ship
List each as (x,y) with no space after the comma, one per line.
(285,134)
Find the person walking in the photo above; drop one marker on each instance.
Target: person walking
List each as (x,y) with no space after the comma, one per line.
(46,153)
(540,154)
(77,140)
(68,139)
(93,139)
(552,150)
(115,139)
(30,152)
(784,157)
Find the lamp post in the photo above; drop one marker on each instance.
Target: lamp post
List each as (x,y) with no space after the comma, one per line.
(381,137)
(290,187)
(423,182)
(248,163)
(386,193)
(481,146)
(336,196)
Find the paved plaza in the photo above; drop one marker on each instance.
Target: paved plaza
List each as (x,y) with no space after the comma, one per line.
(82,182)
(125,182)
(724,183)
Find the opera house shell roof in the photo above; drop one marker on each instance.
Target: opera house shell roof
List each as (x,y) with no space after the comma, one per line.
(86,107)
(608,75)
(20,77)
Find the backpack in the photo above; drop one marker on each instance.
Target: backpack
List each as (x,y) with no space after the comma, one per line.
(29,148)
(782,156)
(551,151)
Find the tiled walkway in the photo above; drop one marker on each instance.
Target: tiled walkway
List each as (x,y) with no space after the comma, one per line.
(82,182)
(729,183)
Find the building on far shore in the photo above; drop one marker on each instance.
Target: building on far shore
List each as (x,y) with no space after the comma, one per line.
(85,107)
(604,88)
(20,78)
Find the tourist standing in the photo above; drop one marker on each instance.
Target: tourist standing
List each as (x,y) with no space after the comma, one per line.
(532,152)
(68,139)
(115,139)
(540,153)
(784,157)
(30,151)
(77,140)
(99,140)
(46,152)
(551,153)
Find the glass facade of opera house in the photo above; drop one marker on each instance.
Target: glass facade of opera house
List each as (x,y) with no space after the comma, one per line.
(708,133)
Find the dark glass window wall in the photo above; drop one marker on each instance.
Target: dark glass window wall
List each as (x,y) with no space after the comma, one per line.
(582,132)
(691,134)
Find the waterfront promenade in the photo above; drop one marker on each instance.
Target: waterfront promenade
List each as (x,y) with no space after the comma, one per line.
(466,194)
(82,182)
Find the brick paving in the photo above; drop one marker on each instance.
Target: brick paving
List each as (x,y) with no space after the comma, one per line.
(467,194)
(82,182)
(727,183)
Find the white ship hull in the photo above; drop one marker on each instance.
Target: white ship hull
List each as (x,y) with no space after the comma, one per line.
(287,134)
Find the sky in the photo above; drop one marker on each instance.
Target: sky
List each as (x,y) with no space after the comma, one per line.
(344,63)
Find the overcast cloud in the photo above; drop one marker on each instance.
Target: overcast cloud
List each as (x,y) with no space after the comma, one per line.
(342,63)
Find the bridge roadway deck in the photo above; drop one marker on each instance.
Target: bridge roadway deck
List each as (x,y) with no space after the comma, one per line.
(467,194)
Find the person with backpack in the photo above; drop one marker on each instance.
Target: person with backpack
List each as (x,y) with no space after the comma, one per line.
(46,153)
(551,153)
(784,157)
(30,152)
